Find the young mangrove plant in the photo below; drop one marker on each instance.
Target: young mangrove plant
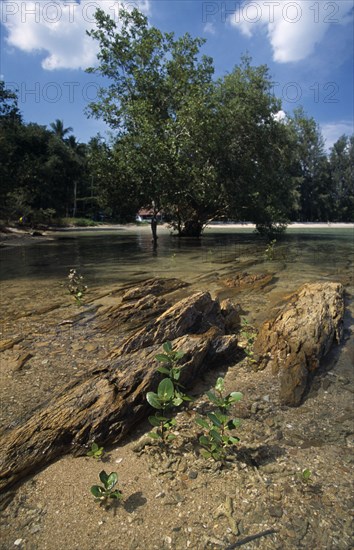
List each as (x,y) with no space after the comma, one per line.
(217,425)
(76,286)
(169,361)
(95,451)
(105,492)
(163,401)
(169,394)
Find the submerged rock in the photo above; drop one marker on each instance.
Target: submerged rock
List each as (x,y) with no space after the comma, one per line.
(300,336)
(246,280)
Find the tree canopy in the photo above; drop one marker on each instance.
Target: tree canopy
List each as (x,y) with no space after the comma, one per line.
(185,143)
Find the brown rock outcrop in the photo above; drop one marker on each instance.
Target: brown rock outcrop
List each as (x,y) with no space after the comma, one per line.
(300,336)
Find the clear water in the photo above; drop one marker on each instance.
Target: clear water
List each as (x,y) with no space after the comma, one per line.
(35,272)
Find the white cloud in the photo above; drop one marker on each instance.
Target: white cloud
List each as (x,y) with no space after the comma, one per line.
(293,28)
(334,130)
(58,28)
(209,28)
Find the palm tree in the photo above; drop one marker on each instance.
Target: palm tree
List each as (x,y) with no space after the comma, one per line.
(59,130)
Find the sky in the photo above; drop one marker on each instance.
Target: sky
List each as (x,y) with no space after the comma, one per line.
(307,45)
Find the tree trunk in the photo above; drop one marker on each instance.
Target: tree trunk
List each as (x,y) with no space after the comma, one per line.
(192,228)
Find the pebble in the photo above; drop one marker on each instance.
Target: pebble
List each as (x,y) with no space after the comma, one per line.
(18,542)
(276,511)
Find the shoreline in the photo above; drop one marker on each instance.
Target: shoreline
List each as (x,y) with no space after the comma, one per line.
(18,237)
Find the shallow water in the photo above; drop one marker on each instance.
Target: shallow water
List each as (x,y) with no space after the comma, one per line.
(37,271)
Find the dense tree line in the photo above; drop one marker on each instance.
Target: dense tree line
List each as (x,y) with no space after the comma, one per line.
(195,147)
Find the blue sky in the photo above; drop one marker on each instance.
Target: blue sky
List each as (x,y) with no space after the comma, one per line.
(307,44)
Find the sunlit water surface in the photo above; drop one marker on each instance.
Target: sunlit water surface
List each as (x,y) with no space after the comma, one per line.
(36,272)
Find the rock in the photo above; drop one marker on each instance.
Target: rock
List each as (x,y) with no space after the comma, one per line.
(156,287)
(300,336)
(250,281)
(231,315)
(193,315)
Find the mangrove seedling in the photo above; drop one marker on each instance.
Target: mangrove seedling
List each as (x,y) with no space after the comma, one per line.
(105,492)
(223,403)
(168,361)
(76,286)
(306,476)
(217,425)
(96,451)
(164,400)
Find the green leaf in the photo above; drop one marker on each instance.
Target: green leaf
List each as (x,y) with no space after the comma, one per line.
(171,437)
(235,396)
(212,397)
(94,447)
(154,421)
(103,477)
(203,423)
(163,370)
(153,400)
(177,401)
(176,373)
(179,355)
(112,480)
(215,420)
(165,390)
(116,494)
(154,435)
(205,454)
(204,440)
(167,346)
(161,357)
(219,386)
(233,440)
(97,491)
(216,436)
(161,418)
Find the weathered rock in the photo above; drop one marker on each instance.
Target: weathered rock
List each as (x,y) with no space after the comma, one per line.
(231,314)
(245,280)
(193,315)
(300,336)
(156,287)
(133,314)
(105,403)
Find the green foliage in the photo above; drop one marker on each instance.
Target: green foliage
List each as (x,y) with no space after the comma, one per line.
(270,250)
(169,361)
(105,492)
(217,425)
(249,333)
(76,286)
(164,400)
(96,451)
(306,476)
(169,394)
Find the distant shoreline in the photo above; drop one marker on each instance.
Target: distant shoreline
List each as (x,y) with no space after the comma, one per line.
(18,237)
